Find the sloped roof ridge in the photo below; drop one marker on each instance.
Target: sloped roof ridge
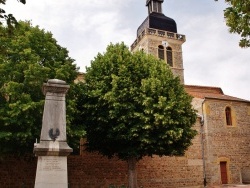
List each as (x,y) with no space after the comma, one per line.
(210,92)
(204,89)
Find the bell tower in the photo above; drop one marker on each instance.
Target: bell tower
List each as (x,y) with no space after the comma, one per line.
(154,6)
(158,36)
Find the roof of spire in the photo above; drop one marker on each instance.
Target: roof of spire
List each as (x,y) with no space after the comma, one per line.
(147,2)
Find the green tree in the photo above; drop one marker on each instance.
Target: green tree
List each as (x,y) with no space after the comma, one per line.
(135,107)
(237,16)
(28,58)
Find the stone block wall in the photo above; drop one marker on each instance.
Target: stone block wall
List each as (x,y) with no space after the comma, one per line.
(223,143)
(245,175)
(149,43)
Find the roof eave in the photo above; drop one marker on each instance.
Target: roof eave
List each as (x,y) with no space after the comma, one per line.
(219,98)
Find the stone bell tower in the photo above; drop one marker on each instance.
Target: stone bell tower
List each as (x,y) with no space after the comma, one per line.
(158,36)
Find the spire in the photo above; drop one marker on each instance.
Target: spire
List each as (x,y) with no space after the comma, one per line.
(154,6)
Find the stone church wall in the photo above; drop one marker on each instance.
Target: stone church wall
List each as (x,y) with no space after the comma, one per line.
(230,144)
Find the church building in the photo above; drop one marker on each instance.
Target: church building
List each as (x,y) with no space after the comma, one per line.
(221,151)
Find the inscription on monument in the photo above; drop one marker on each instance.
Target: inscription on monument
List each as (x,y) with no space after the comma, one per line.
(52,164)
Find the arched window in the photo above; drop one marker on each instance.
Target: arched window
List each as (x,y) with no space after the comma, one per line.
(228,116)
(169,56)
(161,52)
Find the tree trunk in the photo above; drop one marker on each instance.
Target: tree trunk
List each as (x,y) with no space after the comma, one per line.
(132,174)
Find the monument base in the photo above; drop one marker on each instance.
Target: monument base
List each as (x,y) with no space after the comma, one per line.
(51,172)
(52,148)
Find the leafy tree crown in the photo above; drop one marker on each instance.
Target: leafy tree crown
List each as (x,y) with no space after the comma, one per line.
(135,106)
(28,58)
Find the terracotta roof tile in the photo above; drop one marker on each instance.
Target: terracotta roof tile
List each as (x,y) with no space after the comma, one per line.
(210,93)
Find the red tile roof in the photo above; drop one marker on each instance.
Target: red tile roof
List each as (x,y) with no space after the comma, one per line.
(208,92)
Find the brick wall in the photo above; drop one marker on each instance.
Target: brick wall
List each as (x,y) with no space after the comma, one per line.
(94,171)
(17,172)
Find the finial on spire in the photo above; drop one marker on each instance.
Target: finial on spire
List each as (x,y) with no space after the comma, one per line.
(154,6)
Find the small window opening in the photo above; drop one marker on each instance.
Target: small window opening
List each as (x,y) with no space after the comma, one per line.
(228,116)
(169,56)
(161,52)
(159,8)
(154,6)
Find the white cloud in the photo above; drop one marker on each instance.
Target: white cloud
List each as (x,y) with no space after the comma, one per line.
(211,55)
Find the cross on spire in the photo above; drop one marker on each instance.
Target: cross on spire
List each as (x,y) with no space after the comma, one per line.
(154,6)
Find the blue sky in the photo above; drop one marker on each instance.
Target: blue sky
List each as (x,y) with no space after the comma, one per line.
(211,54)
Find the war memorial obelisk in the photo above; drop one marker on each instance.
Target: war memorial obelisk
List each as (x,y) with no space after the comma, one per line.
(52,151)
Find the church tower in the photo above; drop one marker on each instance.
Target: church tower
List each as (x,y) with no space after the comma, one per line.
(158,36)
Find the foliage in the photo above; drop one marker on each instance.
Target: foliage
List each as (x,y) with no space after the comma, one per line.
(75,124)
(28,58)
(237,16)
(135,107)
(9,18)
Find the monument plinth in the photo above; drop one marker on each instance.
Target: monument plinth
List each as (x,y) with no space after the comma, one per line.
(52,151)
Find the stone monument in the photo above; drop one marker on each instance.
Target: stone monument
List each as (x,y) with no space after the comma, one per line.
(52,151)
